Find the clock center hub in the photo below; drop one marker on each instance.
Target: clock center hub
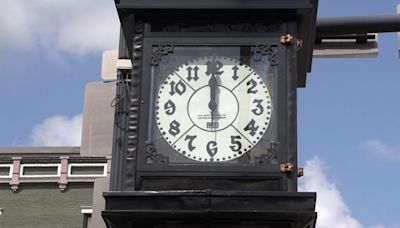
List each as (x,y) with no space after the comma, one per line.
(222,116)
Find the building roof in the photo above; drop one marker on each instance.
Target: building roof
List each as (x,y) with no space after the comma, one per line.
(29,151)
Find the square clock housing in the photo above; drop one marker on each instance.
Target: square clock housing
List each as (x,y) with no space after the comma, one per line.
(210,102)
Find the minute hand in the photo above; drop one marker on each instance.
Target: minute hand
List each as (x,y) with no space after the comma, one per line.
(213,85)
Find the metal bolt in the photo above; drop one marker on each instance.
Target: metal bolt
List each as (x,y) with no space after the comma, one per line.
(286,39)
(299,44)
(300,172)
(286,168)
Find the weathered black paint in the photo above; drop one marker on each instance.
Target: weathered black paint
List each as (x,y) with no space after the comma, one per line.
(210,209)
(357,25)
(227,11)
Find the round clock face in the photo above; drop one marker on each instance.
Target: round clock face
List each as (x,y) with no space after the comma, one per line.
(213,109)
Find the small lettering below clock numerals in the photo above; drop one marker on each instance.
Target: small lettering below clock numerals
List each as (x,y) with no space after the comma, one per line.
(259,108)
(190,143)
(192,75)
(252,85)
(178,88)
(236,144)
(174,128)
(169,107)
(235,69)
(212,148)
(251,127)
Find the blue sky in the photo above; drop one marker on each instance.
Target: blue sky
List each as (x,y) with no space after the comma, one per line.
(348,114)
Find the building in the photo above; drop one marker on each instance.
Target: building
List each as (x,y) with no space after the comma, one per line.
(58,187)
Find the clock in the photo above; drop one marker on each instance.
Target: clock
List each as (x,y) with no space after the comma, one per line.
(213,109)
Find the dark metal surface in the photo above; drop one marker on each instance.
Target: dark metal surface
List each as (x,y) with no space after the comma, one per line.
(357,25)
(119,137)
(291,104)
(123,51)
(358,38)
(193,12)
(186,208)
(134,107)
(213,4)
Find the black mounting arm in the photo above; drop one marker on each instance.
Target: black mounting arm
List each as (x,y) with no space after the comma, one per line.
(359,25)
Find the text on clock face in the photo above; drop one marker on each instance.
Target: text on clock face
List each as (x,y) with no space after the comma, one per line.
(213,109)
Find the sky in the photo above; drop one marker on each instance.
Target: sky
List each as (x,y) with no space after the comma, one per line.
(348,115)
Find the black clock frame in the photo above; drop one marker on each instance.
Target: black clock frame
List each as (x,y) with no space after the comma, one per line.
(162,176)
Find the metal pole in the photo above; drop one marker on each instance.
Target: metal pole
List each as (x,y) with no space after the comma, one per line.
(357,25)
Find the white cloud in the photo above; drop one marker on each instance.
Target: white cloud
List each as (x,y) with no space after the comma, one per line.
(331,208)
(70,26)
(58,131)
(377,147)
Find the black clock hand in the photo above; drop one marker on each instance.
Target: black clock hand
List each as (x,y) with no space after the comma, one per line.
(213,85)
(213,70)
(212,104)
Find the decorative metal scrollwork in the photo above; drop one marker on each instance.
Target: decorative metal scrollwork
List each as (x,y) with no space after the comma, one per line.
(152,157)
(271,157)
(132,100)
(159,52)
(270,50)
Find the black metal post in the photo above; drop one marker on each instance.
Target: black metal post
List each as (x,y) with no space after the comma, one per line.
(357,25)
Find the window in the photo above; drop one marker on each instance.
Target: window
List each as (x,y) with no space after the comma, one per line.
(40,170)
(5,171)
(87,170)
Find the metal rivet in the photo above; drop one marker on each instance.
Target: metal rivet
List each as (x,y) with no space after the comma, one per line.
(300,172)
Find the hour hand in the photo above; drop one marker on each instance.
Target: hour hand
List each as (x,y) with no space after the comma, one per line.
(212,105)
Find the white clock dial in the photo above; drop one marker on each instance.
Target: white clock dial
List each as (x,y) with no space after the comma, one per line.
(213,109)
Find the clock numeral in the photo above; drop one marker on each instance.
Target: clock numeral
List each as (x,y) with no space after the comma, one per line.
(169,107)
(178,88)
(251,127)
(235,69)
(236,145)
(213,68)
(252,85)
(259,108)
(174,128)
(212,148)
(190,77)
(190,143)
